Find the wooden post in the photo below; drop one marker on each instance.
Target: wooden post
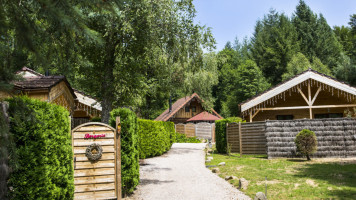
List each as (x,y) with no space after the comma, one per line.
(310,101)
(251,116)
(227,138)
(240,139)
(118,158)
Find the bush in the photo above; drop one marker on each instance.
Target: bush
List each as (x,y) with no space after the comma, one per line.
(96,119)
(155,137)
(220,132)
(43,148)
(182,138)
(130,175)
(306,142)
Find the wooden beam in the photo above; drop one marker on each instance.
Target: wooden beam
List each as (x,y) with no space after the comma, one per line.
(306,107)
(240,139)
(251,116)
(118,159)
(316,94)
(309,96)
(255,114)
(305,98)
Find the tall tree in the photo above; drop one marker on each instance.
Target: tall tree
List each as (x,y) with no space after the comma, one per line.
(315,36)
(346,70)
(274,44)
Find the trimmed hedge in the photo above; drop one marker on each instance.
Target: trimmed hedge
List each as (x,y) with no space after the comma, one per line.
(220,132)
(130,175)
(156,137)
(43,148)
(182,138)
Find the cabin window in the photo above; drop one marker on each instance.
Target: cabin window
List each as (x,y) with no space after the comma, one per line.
(194,109)
(328,115)
(187,109)
(285,117)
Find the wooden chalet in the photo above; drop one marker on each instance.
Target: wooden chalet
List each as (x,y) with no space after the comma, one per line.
(186,108)
(307,95)
(57,90)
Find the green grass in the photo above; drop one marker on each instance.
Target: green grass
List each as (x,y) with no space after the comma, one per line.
(291,178)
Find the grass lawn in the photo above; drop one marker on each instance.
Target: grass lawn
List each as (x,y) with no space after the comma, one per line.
(291,178)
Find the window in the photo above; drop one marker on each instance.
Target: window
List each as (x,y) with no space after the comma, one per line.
(328,115)
(285,117)
(187,109)
(194,109)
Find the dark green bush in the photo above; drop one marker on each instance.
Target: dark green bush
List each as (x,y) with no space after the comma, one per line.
(220,132)
(96,119)
(130,175)
(43,147)
(156,137)
(182,138)
(306,142)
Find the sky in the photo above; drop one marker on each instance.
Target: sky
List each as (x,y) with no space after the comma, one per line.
(237,18)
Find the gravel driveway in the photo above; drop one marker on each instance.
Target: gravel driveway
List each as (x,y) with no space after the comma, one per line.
(181,174)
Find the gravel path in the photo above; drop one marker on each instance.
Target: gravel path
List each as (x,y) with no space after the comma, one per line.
(181,174)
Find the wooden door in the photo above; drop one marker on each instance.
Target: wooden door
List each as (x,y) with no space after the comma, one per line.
(95,148)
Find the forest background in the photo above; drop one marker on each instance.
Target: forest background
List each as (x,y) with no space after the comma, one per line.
(139,53)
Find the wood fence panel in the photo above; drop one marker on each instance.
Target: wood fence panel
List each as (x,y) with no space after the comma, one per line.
(180,128)
(232,136)
(95,179)
(204,130)
(253,138)
(190,130)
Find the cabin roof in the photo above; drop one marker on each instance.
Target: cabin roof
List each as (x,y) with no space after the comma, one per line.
(289,83)
(180,103)
(87,100)
(203,116)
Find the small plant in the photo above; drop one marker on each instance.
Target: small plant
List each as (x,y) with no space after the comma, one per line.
(306,142)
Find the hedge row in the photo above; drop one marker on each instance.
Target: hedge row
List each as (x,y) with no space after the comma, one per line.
(42,137)
(130,175)
(220,132)
(155,137)
(182,138)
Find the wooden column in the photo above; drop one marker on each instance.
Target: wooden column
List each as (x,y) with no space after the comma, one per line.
(309,98)
(226,135)
(240,138)
(251,116)
(118,158)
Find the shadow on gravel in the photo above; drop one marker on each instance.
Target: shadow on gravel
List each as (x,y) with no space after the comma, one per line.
(153,181)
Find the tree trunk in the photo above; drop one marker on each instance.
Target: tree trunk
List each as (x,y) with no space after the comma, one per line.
(308,158)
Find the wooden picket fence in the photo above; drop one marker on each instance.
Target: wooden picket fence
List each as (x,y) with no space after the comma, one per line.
(247,138)
(201,130)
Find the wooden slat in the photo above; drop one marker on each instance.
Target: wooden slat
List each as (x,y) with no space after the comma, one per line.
(94,179)
(110,194)
(87,142)
(92,165)
(93,128)
(94,187)
(81,150)
(105,156)
(80,135)
(93,172)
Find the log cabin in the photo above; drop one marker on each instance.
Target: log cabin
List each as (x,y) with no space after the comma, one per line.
(186,108)
(57,90)
(307,95)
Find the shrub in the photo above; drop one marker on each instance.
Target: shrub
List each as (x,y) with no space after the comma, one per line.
(220,132)
(43,148)
(155,137)
(306,142)
(130,175)
(182,138)
(96,119)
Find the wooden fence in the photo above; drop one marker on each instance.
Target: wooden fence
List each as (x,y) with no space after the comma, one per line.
(247,138)
(201,130)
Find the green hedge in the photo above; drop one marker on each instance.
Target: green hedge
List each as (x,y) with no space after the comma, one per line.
(182,138)
(220,132)
(43,148)
(156,137)
(130,175)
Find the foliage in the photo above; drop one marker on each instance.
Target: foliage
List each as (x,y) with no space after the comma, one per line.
(43,147)
(296,179)
(220,132)
(155,137)
(96,119)
(130,175)
(273,44)
(315,36)
(300,63)
(346,70)
(306,142)
(182,138)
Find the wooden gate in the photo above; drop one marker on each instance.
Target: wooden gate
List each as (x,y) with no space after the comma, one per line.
(101,178)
